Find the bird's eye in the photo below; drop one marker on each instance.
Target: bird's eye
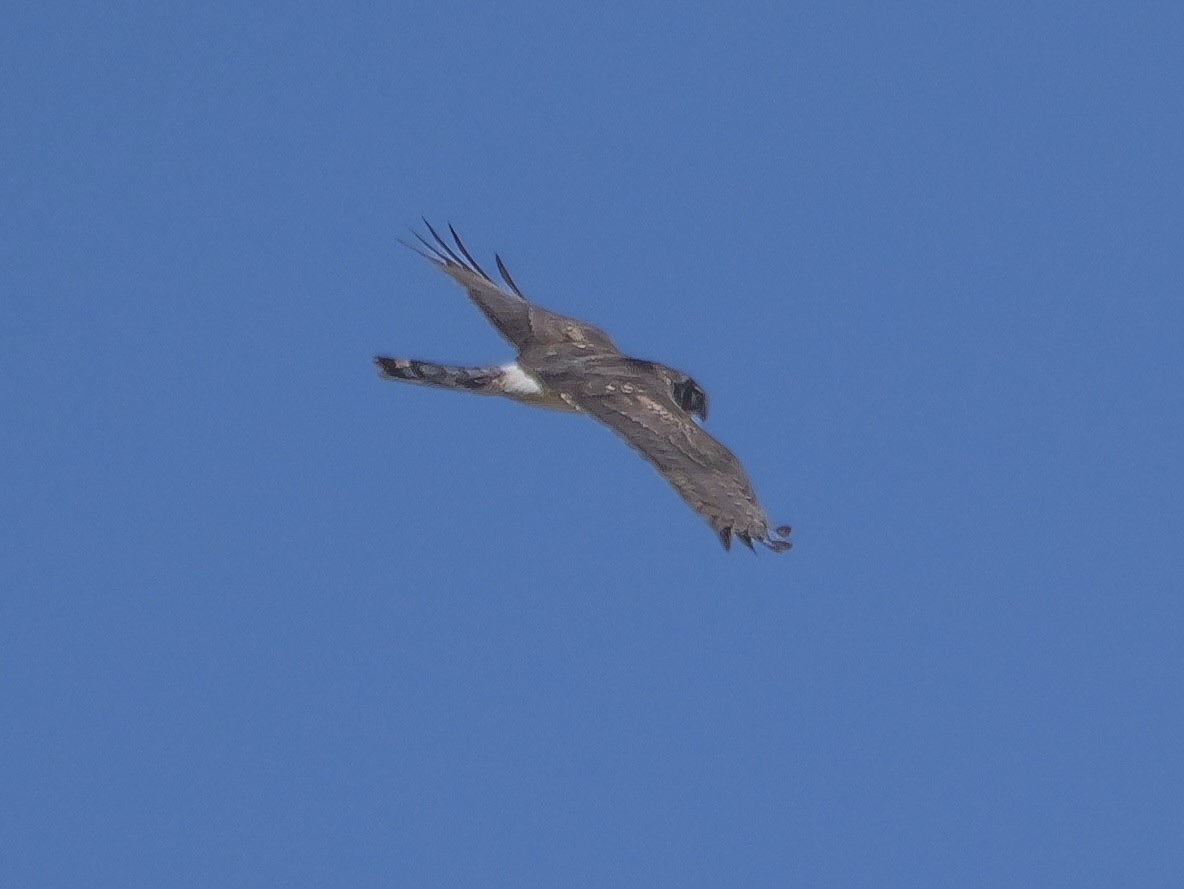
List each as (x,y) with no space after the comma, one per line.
(691,398)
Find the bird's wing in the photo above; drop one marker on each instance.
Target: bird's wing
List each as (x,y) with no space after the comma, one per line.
(508,310)
(516,318)
(706,474)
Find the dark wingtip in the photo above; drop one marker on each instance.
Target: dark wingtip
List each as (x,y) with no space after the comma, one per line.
(725,536)
(746,540)
(501,267)
(442,243)
(779,546)
(436,255)
(468,255)
(415,249)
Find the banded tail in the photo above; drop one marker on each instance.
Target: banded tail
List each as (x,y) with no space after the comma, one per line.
(482,380)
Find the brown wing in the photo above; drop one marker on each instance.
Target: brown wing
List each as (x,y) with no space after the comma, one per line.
(706,474)
(516,318)
(508,311)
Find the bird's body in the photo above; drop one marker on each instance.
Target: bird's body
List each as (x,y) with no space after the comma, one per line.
(567,364)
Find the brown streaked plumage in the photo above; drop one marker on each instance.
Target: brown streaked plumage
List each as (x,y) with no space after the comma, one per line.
(568,364)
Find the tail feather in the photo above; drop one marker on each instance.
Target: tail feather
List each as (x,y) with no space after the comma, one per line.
(472,379)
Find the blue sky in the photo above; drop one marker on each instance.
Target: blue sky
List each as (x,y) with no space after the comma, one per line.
(267,620)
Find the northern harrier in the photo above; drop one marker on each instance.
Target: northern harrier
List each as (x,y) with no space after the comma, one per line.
(570,365)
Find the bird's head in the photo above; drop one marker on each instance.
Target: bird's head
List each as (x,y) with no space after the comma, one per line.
(690,396)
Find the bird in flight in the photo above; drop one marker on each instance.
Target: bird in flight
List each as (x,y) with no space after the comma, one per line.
(567,364)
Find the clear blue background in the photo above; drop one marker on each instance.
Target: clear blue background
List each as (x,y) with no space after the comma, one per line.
(268,621)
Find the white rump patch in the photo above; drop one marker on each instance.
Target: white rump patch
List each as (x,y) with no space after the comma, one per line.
(516,381)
